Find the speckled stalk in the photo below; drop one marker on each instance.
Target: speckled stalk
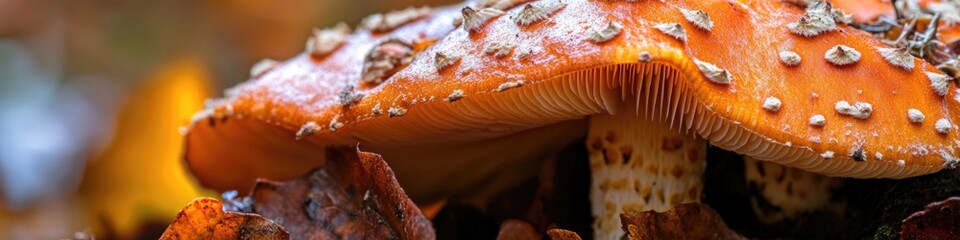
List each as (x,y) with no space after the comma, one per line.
(639,165)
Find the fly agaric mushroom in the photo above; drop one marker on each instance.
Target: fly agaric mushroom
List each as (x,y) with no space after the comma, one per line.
(647,100)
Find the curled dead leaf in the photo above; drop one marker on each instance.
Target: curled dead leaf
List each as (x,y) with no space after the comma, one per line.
(204,218)
(685,221)
(938,220)
(355,196)
(562,234)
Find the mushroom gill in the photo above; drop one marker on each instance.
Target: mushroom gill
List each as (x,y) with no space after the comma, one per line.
(480,122)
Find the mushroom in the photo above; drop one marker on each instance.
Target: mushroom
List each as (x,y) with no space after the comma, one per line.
(647,102)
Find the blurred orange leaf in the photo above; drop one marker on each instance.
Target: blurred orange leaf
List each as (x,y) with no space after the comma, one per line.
(140,178)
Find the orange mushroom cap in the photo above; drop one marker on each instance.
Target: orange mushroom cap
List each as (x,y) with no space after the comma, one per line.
(555,70)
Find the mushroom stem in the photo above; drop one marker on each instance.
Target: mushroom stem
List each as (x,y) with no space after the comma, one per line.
(638,165)
(779,193)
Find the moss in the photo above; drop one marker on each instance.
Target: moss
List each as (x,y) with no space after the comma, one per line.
(887,232)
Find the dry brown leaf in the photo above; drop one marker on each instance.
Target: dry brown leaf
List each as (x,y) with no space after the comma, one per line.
(355,196)
(204,218)
(562,234)
(685,221)
(938,220)
(513,229)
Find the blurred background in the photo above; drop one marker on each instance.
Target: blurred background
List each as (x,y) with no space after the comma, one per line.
(92,93)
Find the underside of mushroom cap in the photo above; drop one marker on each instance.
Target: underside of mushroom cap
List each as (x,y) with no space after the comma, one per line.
(544,81)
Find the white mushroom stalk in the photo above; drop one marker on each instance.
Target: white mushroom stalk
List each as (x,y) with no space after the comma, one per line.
(780,193)
(639,165)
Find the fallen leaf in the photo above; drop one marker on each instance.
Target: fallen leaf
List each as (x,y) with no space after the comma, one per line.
(513,229)
(204,218)
(685,221)
(562,234)
(938,220)
(355,196)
